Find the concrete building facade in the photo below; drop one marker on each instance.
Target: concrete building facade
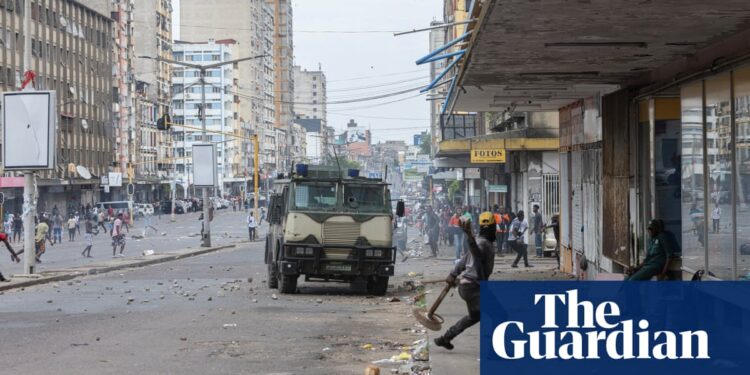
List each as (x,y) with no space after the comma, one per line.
(71,52)
(221,111)
(251,24)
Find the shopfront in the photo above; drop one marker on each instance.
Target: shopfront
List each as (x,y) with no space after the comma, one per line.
(715,174)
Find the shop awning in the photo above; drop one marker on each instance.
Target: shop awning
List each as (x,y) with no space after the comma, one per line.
(541,55)
(463,147)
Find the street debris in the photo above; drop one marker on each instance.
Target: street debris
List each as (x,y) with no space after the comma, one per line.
(230,325)
(148,253)
(274,297)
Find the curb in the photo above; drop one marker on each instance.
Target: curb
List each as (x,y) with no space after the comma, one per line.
(72,274)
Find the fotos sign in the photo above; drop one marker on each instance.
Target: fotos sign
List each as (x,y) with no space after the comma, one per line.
(488,156)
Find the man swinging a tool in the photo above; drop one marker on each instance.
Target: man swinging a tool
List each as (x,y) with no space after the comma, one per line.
(474,267)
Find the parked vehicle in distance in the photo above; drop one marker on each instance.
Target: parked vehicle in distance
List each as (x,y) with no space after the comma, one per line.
(115,205)
(166,207)
(143,209)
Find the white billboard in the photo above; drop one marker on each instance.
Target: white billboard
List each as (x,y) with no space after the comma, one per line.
(204,165)
(356,135)
(30,119)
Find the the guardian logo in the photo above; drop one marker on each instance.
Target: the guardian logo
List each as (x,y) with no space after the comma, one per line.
(593,332)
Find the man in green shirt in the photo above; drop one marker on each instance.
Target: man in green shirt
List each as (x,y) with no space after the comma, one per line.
(661,248)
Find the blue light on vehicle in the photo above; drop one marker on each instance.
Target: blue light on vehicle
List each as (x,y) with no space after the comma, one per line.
(302,170)
(353,173)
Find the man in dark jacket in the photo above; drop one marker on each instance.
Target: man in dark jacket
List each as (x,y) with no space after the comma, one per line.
(474,267)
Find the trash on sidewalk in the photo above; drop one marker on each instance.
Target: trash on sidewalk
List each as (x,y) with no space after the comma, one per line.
(148,253)
(367,346)
(230,325)
(420,350)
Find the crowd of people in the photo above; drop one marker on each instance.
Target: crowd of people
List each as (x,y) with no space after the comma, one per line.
(441,225)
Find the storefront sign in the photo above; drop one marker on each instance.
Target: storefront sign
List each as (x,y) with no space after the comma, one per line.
(488,156)
(498,188)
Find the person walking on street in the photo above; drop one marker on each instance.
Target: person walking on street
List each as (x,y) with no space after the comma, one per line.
(17,227)
(555,225)
(537,226)
(252,225)
(147,223)
(716,218)
(502,221)
(126,220)
(475,266)
(41,237)
(77,216)
(13,256)
(118,237)
(57,223)
(458,234)
(88,237)
(72,224)
(262,215)
(100,222)
(517,239)
(433,231)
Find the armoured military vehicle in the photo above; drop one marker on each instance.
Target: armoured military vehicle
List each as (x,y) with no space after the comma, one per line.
(330,226)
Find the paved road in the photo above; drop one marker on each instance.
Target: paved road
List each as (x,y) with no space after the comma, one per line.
(199,315)
(228,227)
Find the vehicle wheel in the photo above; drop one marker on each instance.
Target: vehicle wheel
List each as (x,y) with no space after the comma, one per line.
(377,285)
(273,280)
(288,284)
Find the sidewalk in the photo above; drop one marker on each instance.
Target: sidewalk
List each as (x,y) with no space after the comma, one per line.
(464,359)
(227,228)
(114,264)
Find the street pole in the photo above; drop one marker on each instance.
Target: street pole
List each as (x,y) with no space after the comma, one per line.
(206,218)
(173,190)
(256,196)
(29,183)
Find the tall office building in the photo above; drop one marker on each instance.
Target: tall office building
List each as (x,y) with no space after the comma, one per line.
(251,24)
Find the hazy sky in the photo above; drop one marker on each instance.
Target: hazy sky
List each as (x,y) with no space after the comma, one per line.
(344,56)
(353,42)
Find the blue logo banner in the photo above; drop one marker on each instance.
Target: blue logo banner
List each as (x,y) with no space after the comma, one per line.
(612,328)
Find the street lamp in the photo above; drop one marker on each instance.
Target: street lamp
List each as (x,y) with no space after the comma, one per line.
(203,69)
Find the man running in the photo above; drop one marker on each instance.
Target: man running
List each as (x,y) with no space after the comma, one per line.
(13,256)
(118,238)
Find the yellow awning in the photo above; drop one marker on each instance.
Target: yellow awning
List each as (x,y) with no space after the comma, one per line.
(464,146)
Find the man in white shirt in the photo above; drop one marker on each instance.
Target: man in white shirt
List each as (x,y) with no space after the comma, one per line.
(716,218)
(118,238)
(251,226)
(517,239)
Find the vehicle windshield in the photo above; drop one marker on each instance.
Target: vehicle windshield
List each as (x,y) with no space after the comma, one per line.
(315,196)
(363,198)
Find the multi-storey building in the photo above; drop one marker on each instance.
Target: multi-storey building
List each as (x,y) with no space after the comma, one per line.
(437,40)
(221,111)
(283,63)
(310,94)
(251,24)
(310,104)
(71,53)
(153,39)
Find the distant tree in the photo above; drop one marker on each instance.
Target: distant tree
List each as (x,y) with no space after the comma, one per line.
(426,145)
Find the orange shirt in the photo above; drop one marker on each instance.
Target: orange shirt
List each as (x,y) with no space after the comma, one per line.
(454,221)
